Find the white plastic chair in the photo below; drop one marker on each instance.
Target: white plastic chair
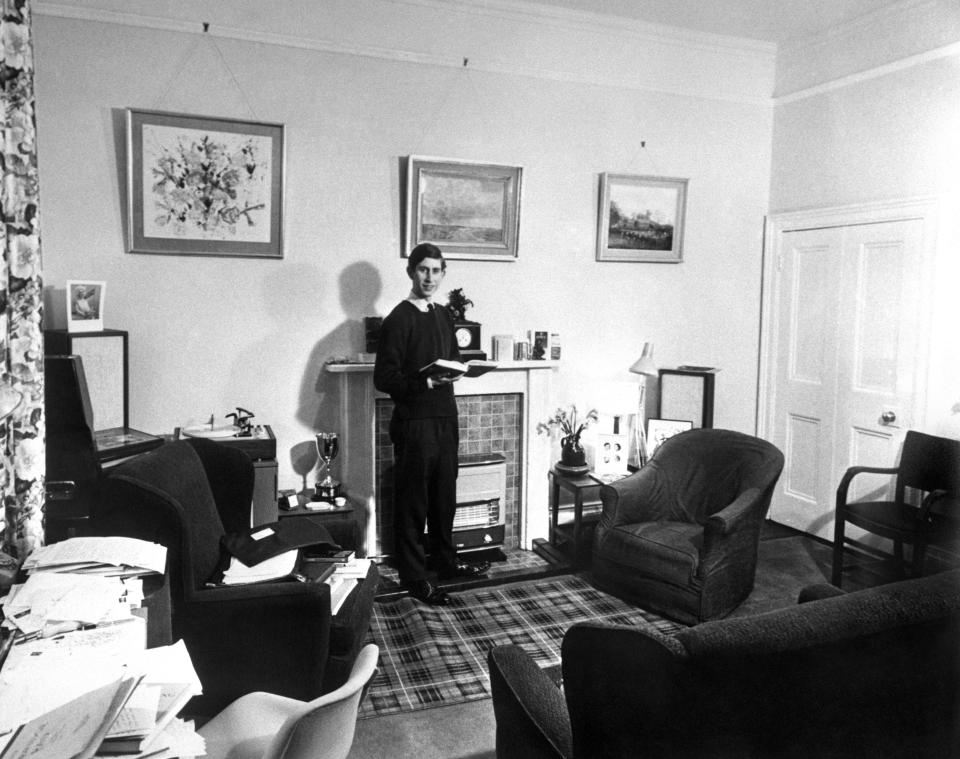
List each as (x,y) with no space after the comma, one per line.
(265,726)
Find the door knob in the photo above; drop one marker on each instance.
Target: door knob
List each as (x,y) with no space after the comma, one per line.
(888,417)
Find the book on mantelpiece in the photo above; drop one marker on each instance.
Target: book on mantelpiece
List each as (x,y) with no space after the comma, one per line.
(444,367)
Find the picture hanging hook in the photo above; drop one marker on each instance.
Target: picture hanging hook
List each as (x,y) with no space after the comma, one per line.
(206,27)
(465,62)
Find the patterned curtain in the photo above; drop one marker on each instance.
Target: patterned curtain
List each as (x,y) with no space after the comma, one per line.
(22,462)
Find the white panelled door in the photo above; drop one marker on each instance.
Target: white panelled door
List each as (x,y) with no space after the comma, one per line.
(845,358)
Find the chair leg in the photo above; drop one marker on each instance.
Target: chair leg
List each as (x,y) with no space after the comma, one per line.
(919,554)
(837,574)
(898,556)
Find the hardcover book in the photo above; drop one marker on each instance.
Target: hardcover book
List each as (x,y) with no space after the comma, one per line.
(443,367)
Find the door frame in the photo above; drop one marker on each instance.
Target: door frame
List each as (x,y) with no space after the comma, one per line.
(926,209)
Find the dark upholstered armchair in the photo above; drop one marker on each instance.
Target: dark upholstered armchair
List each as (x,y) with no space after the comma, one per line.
(680,536)
(873,673)
(270,637)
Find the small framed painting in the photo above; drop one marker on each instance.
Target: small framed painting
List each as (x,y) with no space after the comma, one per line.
(85,305)
(469,210)
(659,430)
(204,186)
(641,218)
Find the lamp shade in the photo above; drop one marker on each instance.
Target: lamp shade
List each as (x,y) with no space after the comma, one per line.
(644,365)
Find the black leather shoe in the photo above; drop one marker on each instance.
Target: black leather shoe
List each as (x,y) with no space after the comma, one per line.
(463,569)
(424,590)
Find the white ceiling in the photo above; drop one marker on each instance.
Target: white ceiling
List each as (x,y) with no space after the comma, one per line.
(779,21)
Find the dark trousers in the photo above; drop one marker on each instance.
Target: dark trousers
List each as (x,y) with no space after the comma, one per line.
(425,493)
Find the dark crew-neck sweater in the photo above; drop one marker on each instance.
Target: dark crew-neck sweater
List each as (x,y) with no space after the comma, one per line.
(409,340)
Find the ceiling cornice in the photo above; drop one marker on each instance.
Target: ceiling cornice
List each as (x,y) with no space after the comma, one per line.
(628,33)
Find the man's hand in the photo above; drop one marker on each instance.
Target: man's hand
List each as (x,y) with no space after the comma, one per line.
(433,382)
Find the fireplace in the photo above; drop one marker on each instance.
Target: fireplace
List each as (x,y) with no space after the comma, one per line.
(498,414)
(490,427)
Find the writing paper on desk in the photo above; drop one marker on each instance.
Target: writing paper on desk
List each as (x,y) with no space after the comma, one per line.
(45,673)
(74,729)
(64,597)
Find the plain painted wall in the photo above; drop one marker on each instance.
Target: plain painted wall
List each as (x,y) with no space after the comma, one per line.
(208,334)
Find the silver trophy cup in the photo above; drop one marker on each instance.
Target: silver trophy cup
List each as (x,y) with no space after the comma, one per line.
(328,446)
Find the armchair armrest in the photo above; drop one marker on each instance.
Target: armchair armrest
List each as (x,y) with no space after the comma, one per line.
(852,472)
(631,499)
(818,592)
(931,498)
(270,637)
(735,515)
(531,713)
(731,531)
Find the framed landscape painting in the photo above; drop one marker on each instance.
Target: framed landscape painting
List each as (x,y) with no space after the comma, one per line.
(641,218)
(199,185)
(469,210)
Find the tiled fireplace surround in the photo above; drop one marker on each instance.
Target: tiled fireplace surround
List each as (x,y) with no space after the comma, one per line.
(498,414)
(488,424)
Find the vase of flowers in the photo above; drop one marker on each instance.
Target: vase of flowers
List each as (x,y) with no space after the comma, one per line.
(570,425)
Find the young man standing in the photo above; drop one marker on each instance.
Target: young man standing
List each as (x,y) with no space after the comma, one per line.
(424,429)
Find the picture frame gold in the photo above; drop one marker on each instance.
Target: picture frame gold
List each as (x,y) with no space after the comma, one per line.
(204,185)
(641,218)
(469,209)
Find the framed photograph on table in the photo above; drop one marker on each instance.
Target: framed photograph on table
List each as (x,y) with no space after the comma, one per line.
(204,186)
(659,430)
(85,305)
(469,210)
(641,218)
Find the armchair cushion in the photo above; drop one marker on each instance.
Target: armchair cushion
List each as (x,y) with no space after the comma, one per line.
(670,550)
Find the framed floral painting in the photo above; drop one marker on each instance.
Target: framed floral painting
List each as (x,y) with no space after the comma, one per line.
(200,185)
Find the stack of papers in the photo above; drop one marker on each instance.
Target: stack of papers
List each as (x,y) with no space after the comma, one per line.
(273,568)
(98,691)
(108,556)
(147,721)
(344,579)
(50,603)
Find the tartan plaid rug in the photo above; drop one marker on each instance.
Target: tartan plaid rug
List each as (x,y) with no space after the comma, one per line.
(437,655)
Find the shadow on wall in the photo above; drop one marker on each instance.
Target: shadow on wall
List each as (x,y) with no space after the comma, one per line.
(360,288)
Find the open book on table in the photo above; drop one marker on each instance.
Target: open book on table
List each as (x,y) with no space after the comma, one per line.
(443,367)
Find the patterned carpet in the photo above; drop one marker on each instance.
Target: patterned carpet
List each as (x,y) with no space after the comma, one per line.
(432,656)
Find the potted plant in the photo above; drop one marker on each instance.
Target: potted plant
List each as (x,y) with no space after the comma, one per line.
(570,425)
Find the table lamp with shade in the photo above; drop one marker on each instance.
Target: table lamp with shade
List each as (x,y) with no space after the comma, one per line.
(645,367)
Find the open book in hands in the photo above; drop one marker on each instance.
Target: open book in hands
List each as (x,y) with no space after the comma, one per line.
(443,367)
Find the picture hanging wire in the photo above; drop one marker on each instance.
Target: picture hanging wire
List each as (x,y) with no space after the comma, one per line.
(644,155)
(178,72)
(435,117)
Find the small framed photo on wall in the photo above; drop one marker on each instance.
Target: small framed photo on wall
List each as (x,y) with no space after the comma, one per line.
(85,305)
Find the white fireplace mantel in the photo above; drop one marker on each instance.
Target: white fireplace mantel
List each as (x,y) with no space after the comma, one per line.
(357,420)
